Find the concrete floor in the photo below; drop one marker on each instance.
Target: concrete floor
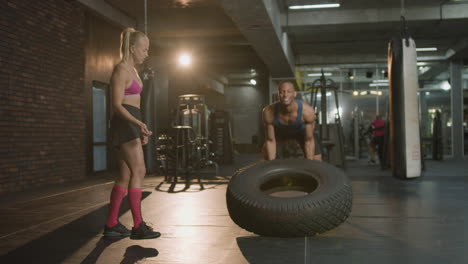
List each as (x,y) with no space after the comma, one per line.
(392,221)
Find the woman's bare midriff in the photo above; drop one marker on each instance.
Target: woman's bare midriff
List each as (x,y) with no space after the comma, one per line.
(133,100)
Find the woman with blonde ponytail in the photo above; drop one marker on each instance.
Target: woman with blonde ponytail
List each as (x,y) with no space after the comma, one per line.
(129,134)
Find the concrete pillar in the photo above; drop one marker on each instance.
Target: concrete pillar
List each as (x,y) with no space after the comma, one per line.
(457,109)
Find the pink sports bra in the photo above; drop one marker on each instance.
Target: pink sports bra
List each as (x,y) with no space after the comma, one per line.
(134,88)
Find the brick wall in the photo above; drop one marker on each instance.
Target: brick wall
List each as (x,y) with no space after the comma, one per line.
(42,119)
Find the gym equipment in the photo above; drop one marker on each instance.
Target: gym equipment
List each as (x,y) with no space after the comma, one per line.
(437,142)
(331,135)
(164,154)
(193,112)
(191,149)
(221,134)
(289,198)
(405,142)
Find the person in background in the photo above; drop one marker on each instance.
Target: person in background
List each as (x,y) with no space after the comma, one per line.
(378,131)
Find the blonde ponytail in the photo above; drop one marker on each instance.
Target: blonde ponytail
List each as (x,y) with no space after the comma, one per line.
(125,43)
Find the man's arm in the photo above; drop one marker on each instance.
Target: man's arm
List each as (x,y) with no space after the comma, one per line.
(270,141)
(309,140)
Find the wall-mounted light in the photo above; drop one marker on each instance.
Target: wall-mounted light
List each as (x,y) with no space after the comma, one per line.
(423,69)
(364,92)
(185,59)
(375,92)
(253,81)
(350,75)
(445,86)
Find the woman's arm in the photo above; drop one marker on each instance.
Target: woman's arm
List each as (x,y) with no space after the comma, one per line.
(119,80)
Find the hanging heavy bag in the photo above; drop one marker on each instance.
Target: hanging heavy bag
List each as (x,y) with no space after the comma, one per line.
(405,145)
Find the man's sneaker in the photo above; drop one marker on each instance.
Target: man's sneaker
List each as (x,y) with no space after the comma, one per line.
(144,232)
(117,230)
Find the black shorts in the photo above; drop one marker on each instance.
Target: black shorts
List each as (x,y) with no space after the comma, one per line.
(122,130)
(378,140)
(299,138)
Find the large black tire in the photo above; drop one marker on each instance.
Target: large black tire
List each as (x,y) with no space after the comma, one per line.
(326,205)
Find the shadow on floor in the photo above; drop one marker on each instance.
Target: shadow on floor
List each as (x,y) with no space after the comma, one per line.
(176,187)
(132,254)
(135,253)
(60,244)
(101,246)
(269,250)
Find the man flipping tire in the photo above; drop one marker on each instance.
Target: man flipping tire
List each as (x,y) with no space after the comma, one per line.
(288,120)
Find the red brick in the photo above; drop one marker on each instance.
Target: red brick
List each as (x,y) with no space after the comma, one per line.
(41,54)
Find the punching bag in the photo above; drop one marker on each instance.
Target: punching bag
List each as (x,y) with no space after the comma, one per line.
(148,106)
(405,140)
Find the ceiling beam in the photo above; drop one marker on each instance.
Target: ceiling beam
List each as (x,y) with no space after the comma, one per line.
(260,23)
(109,12)
(457,49)
(373,15)
(340,59)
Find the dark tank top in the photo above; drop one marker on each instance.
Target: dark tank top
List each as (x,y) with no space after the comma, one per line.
(289,131)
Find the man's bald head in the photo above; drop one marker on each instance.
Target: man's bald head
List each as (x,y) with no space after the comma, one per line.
(286,92)
(286,84)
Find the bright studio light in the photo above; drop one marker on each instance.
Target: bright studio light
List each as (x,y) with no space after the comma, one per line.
(314,6)
(340,111)
(446,86)
(377,84)
(185,60)
(427,49)
(319,74)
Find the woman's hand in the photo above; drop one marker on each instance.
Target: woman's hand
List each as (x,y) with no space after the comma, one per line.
(144,140)
(144,131)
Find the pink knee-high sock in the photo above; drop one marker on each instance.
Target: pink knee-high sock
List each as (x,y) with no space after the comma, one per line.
(117,195)
(134,199)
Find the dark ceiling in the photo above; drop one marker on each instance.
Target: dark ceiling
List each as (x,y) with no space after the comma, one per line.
(226,36)
(199,27)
